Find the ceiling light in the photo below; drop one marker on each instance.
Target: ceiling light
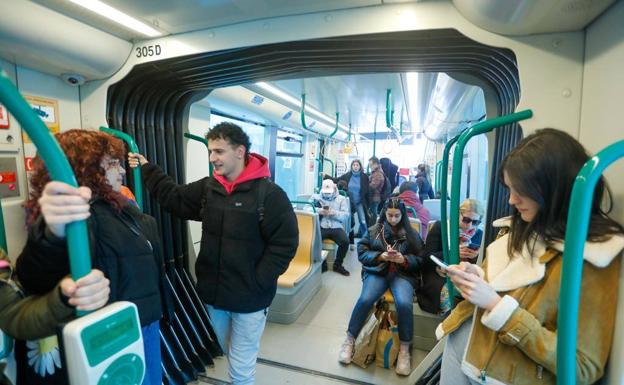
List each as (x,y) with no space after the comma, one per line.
(297,102)
(117,16)
(413,100)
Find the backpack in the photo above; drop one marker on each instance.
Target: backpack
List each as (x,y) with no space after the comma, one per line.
(386,189)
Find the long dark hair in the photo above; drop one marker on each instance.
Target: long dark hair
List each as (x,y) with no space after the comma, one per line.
(396,203)
(358,162)
(543,167)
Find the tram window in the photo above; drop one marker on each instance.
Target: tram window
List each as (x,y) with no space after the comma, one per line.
(255,132)
(288,163)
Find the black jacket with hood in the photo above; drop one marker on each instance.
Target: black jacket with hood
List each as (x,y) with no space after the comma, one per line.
(241,254)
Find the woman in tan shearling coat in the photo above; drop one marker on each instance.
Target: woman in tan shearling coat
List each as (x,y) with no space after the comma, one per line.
(506,330)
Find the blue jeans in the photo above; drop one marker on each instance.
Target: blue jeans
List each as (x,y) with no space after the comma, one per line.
(151,345)
(363,226)
(373,288)
(451,373)
(373,209)
(239,335)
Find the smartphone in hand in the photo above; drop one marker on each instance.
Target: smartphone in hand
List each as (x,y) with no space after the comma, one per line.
(438,262)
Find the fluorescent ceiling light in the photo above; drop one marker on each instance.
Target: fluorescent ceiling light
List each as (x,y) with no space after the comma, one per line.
(413,100)
(117,16)
(283,95)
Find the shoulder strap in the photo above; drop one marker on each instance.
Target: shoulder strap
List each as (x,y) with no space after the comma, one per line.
(263,185)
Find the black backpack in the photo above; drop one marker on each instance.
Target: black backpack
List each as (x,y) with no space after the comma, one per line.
(386,189)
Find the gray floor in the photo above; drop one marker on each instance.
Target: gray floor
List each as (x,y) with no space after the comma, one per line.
(306,352)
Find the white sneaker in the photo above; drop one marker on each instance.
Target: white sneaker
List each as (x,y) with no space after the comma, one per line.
(404,363)
(346,352)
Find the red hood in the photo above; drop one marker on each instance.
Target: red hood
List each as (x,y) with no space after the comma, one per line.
(410,198)
(256,168)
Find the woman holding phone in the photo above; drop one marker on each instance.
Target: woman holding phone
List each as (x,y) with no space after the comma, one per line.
(505,332)
(433,296)
(390,256)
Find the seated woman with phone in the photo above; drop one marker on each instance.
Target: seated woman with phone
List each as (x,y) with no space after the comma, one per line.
(390,255)
(433,296)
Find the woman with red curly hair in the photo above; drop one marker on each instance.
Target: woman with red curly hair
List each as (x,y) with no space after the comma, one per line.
(124,242)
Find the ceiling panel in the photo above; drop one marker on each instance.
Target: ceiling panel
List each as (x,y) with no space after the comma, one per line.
(179,16)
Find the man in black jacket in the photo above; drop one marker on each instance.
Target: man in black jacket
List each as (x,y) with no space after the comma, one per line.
(244,248)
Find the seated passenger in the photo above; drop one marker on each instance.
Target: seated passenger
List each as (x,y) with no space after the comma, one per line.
(433,296)
(29,318)
(125,242)
(390,255)
(408,192)
(506,329)
(334,211)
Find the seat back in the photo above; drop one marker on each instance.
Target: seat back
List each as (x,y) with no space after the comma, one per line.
(433,205)
(308,250)
(416,225)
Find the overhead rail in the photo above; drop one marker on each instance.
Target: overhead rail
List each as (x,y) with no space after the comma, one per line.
(458,155)
(579,213)
(205,142)
(136,172)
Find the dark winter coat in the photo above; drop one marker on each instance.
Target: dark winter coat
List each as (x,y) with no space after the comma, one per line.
(364,194)
(407,243)
(241,256)
(125,247)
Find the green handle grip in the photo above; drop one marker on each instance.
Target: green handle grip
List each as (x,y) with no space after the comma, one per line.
(136,172)
(579,213)
(458,155)
(58,167)
(205,142)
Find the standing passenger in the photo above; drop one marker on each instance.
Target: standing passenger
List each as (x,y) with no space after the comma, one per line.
(249,237)
(357,186)
(425,191)
(375,185)
(506,329)
(125,244)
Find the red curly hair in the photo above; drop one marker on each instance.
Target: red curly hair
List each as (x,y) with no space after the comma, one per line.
(85,150)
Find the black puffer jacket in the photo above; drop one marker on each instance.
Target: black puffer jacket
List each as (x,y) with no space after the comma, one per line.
(125,246)
(407,243)
(240,257)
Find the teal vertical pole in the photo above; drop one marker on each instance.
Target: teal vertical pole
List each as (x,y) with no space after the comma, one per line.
(443,197)
(136,172)
(3,238)
(458,156)
(58,167)
(205,142)
(438,176)
(579,213)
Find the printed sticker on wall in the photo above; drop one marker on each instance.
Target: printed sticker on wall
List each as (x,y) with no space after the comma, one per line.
(47,110)
(257,99)
(287,115)
(4,117)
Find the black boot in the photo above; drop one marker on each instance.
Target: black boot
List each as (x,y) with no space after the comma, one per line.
(341,270)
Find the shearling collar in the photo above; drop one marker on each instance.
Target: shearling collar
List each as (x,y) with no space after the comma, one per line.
(522,269)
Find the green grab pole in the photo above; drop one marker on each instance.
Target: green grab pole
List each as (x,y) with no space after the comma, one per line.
(388,111)
(136,172)
(412,210)
(579,212)
(3,238)
(331,162)
(303,122)
(437,178)
(335,128)
(458,156)
(58,166)
(349,136)
(343,193)
(443,197)
(205,142)
(305,203)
